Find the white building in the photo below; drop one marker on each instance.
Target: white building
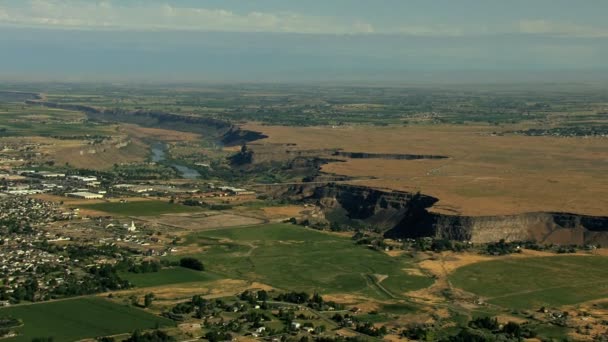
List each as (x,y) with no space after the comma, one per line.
(85,195)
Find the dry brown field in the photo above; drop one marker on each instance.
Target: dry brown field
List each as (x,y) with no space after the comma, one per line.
(485,174)
(204,221)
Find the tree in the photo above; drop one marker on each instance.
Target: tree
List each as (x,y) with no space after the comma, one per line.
(154,336)
(513,329)
(148,298)
(262,295)
(106,339)
(192,263)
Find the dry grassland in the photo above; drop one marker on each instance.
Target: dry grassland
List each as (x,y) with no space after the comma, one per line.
(158,133)
(484,175)
(105,157)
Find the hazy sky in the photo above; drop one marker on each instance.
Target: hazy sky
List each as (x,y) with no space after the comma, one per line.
(301,40)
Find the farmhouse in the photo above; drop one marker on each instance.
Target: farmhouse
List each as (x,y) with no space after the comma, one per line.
(85,195)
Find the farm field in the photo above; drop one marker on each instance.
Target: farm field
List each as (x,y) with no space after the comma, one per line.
(300,259)
(168,276)
(140,208)
(484,174)
(205,221)
(75,319)
(530,283)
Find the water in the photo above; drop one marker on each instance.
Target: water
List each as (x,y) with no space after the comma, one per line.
(159,152)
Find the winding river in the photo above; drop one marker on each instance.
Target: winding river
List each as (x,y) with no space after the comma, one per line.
(159,154)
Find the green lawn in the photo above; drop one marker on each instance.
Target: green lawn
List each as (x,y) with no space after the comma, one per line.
(141,208)
(75,319)
(167,276)
(536,282)
(296,258)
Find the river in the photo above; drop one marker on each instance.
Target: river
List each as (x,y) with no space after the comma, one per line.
(159,154)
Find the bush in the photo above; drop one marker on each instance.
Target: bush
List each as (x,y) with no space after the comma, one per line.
(192,263)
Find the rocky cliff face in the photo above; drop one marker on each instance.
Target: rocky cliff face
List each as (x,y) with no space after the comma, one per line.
(365,155)
(406,215)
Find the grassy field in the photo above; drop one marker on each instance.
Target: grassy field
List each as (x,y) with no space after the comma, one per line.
(296,258)
(141,208)
(534,282)
(167,276)
(75,319)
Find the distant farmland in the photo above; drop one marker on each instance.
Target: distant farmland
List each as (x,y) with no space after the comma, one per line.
(76,319)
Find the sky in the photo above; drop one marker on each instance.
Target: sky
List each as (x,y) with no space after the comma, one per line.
(313,40)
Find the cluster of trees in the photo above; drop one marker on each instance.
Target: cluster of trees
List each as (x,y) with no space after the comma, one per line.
(28,290)
(369,329)
(138,336)
(9,322)
(482,329)
(254,297)
(98,279)
(12,225)
(211,206)
(570,131)
(198,306)
(437,245)
(503,248)
(315,301)
(218,336)
(145,267)
(81,252)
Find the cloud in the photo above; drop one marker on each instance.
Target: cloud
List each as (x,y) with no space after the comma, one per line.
(155,16)
(547,27)
(438,30)
(108,14)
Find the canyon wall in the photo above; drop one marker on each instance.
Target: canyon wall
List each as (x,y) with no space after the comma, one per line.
(406,215)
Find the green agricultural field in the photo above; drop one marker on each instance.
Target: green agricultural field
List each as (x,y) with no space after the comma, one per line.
(75,319)
(534,282)
(167,276)
(141,208)
(297,258)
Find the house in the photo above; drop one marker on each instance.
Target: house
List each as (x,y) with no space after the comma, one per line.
(296,325)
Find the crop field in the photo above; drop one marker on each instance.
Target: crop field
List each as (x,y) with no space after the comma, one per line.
(140,208)
(301,259)
(75,319)
(484,174)
(167,276)
(534,282)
